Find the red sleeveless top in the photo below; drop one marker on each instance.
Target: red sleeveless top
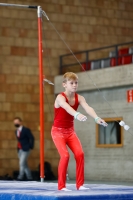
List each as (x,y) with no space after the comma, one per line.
(63,119)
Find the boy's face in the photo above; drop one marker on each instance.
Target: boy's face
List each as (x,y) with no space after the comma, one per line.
(71,85)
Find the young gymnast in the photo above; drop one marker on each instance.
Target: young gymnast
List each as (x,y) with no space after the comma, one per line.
(63,133)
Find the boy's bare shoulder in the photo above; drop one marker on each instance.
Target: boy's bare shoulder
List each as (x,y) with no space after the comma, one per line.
(80,97)
(60,96)
(59,100)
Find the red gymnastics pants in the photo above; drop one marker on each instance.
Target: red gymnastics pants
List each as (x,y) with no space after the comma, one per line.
(62,138)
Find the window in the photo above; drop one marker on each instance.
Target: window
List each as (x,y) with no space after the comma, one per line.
(110,136)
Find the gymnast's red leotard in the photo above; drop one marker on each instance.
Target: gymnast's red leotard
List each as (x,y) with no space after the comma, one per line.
(63,119)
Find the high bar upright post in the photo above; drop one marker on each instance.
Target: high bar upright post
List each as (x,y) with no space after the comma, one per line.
(41,94)
(39,11)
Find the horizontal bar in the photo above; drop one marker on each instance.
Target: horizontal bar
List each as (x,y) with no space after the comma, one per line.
(18,5)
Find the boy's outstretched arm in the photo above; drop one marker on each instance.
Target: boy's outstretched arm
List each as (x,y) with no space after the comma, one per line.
(90,111)
(61,102)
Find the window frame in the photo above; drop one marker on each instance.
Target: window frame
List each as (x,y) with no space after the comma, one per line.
(109,145)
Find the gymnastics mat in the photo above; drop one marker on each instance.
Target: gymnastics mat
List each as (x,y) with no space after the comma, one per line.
(32,190)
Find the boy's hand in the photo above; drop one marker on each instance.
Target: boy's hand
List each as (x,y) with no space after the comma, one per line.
(81,117)
(102,122)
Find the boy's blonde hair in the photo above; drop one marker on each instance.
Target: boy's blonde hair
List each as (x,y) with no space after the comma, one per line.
(68,76)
